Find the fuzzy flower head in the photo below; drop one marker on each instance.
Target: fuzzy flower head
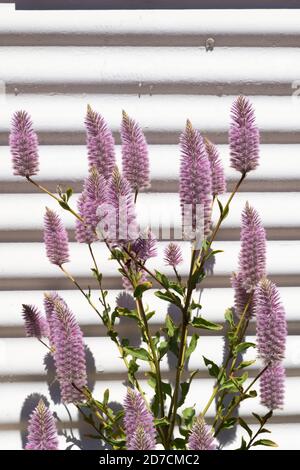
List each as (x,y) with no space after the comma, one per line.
(118,219)
(36,324)
(145,246)
(23,143)
(135,159)
(141,440)
(272,387)
(93,195)
(173,255)
(201,437)
(271,327)
(100,144)
(138,418)
(195,181)
(69,352)
(42,432)
(243,136)
(217,170)
(55,238)
(49,305)
(252,257)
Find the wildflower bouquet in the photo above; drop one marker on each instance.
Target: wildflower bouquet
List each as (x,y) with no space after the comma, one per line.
(106,213)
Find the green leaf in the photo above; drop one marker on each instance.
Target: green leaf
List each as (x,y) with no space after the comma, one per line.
(213,369)
(195,305)
(162,279)
(177,287)
(188,414)
(139,353)
(264,430)
(69,193)
(243,346)
(163,349)
(220,206)
(245,426)
(229,385)
(106,397)
(199,322)
(259,419)
(192,346)
(244,364)
(161,422)
(149,315)
(243,444)
(166,388)
(169,297)
(170,325)
(229,423)
(265,442)
(229,317)
(64,205)
(141,288)
(178,443)
(185,387)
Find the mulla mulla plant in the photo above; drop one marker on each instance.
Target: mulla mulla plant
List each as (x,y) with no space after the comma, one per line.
(166,413)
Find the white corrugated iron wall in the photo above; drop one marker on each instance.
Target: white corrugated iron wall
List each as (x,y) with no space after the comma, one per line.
(153,64)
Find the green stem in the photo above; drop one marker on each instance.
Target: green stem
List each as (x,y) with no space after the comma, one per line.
(182,349)
(241,397)
(73,280)
(45,190)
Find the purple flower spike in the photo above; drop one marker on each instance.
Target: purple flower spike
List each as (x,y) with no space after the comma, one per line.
(272,387)
(135,159)
(138,417)
(118,212)
(173,255)
(23,143)
(49,306)
(252,258)
(42,433)
(201,437)
(195,178)
(55,238)
(241,297)
(141,440)
(243,136)
(217,170)
(271,325)
(36,324)
(93,195)
(100,144)
(69,353)
(145,246)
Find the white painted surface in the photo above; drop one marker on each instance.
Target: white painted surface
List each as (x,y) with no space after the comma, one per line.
(255,53)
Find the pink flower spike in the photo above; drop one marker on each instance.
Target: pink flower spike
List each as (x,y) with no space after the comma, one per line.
(272,387)
(135,159)
(243,136)
(100,143)
(69,353)
(42,432)
(271,327)
(93,195)
(173,255)
(201,437)
(138,420)
(36,324)
(195,178)
(217,170)
(23,143)
(55,238)
(252,257)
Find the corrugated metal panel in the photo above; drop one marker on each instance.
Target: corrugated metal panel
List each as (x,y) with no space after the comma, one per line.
(154,65)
